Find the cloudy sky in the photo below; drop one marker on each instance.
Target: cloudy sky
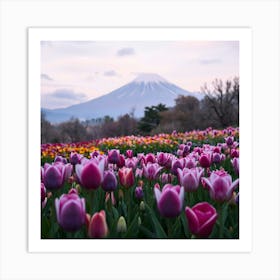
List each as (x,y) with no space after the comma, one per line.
(76,71)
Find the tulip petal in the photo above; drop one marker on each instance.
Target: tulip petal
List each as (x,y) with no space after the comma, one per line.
(157,194)
(71,216)
(208,183)
(232,187)
(181,196)
(169,204)
(192,220)
(57,208)
(206,229)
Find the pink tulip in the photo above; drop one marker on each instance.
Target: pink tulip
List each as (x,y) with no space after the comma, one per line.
(126,177)
(190,162)
(234,153)
(150,158)
(70,211)
(151,170)
(190,178)
(90,173)
(220,185)
(169,200)
(129,153)
(97,227)
(131,162)
(164,159)
(205,160)
(166,178)
(201,219)
(139,173)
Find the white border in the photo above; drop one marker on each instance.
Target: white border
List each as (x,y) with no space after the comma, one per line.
(243,35)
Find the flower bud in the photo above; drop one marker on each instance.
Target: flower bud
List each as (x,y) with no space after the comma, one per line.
(121,226)
(142,206)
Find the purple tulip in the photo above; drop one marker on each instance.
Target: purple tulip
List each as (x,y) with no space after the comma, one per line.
(75,158)
(114,156)
(151,170)
(201,219)
(190,178)
(183,150)
(235,164)
(70,211)
(60,159)
(217,157)
(169,200)
(139,192)
(177,163)
(110,182)
(55,175)
(90,173)
(229,140)
(94,154)
(220,185)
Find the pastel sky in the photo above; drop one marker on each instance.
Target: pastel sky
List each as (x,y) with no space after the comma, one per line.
(76,71)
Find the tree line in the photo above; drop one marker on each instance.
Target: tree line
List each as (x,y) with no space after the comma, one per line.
(219,109)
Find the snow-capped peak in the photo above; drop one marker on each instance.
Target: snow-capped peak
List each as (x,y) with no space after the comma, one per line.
(149,78)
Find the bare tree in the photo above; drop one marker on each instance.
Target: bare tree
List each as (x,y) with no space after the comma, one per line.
(223,99)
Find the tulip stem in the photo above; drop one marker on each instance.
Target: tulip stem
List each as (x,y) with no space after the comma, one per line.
(221,221)
(92,196)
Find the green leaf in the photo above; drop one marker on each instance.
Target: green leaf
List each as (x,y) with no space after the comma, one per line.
(132,228)
(185,225)
(146,232)
(158,228)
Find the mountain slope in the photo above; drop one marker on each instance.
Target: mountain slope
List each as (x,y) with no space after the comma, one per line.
(145,90)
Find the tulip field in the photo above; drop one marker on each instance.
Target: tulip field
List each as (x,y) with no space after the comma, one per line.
(178,185)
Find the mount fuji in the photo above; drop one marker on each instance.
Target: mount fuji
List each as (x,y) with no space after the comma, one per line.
(146,89)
